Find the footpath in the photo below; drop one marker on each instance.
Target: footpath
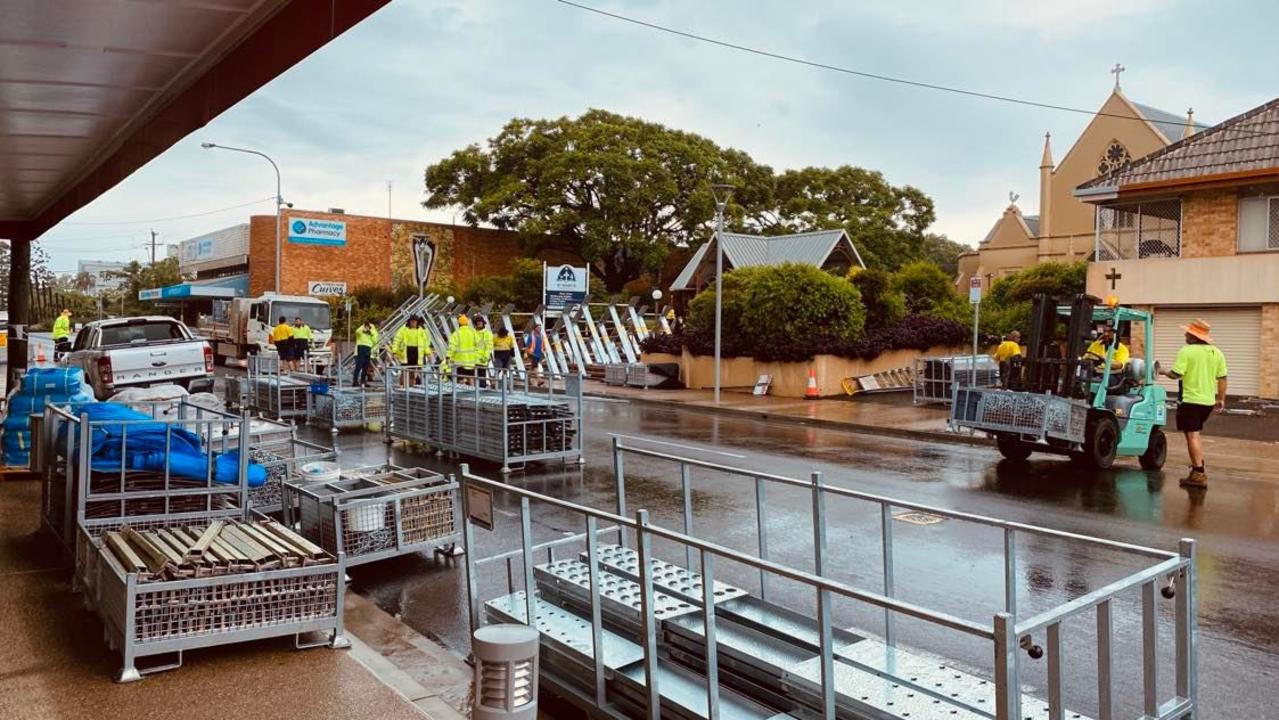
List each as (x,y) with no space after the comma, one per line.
(55,664)
(1252,446)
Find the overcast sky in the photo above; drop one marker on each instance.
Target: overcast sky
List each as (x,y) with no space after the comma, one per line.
(421,78)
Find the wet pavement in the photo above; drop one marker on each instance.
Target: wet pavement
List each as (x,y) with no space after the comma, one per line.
(948,566)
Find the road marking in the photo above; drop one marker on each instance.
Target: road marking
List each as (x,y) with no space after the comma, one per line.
(678,445)
(594,398)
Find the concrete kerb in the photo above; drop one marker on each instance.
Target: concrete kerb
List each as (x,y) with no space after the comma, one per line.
(861,428)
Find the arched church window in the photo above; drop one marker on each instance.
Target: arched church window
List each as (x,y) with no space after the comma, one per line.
(1115,157)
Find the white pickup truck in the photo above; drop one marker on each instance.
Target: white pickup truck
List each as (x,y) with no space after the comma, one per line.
(141,351)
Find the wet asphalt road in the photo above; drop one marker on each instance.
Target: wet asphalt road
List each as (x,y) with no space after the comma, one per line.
(949,566)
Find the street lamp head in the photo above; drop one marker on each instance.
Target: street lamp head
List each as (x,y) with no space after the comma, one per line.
(207,145)
(657,294)
(722,192)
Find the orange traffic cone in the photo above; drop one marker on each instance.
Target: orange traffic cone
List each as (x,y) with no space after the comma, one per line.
(811,391)
(40,354)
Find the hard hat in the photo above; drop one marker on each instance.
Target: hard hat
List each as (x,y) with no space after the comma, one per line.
(463,320)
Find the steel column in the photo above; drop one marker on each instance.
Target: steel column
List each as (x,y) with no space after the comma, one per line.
(761,527)
(597,619)
(686,481)
(1149,649)
(1105,658)
(708,625)
(1010,571)
(644,548)
(1055,709)
(1187,626)
(619,480)
(1007,684)
(886,529)
(530,585)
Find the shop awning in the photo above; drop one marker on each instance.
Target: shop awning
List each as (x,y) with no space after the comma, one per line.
(222,288)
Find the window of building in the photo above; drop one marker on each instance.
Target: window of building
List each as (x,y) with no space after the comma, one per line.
(1150,229)
(1114,157)
(1259,223)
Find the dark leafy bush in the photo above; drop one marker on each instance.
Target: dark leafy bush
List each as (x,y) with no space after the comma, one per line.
(884,305)
(497,290)
(913,332)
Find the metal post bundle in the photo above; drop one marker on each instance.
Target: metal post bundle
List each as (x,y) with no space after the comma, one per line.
(509,421)
(628,634)
(273,393)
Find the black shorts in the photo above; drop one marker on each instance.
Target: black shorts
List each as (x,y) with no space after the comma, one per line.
(465,371)
(410,356)
(1191,417)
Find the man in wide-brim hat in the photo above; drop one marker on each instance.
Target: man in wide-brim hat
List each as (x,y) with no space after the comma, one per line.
(1201,369)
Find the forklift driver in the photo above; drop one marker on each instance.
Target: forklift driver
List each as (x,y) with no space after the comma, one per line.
(1097,351)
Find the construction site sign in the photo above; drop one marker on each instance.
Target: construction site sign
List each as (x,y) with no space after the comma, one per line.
(564,286)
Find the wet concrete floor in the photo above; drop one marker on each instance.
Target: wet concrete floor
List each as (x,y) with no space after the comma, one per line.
(949,566)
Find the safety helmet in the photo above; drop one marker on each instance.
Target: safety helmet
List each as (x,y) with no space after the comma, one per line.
(463,320)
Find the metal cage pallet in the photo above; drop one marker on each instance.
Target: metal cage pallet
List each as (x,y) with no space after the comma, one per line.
(937,377)
(283,454)
(273,393)
(345,407)
(377,515)
(501,424)
(1029,414)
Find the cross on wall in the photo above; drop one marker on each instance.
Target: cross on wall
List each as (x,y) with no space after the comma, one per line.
(1113,276)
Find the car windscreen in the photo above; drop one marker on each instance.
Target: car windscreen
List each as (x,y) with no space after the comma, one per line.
(313,314)
(143,332)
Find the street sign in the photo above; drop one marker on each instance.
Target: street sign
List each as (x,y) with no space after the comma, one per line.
(974,290)
(325,288)
(479,506)
(564,286)
(423,258)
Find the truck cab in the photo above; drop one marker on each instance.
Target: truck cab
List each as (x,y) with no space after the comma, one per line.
(242,326)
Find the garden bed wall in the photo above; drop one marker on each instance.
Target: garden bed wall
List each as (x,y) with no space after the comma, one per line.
(790,379)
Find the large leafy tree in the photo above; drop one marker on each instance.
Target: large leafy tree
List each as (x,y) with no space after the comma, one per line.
(136,277)
(616,191)
(886,223)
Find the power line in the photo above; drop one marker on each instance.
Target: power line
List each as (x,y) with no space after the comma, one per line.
(868,75)
(174,217)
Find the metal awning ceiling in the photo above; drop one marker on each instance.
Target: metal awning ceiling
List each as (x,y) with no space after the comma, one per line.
(90,90)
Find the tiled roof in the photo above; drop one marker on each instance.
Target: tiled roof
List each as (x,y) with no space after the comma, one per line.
(811,248)
(1246,142)
(1032,222)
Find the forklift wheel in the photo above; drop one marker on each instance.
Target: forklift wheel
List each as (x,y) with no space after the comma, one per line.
(1102,442)
(1013,448)
(1156,450)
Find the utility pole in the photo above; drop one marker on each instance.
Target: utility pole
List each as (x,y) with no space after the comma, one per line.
(721,193)
(153,234)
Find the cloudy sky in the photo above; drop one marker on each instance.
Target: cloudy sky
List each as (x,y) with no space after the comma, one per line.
(421,78)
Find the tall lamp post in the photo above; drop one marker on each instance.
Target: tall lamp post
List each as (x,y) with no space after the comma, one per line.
(722,194)
(279,199)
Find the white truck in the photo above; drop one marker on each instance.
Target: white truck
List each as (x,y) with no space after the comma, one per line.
(141,351)
(242,326)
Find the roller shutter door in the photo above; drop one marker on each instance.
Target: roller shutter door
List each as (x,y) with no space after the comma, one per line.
(1237,331)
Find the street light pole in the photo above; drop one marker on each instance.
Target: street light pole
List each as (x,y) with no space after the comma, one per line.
(279,199)
(722,194)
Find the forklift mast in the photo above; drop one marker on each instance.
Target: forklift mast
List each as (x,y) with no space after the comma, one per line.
(1051,364)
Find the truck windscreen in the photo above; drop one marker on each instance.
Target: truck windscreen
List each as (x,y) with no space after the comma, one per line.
(315,315)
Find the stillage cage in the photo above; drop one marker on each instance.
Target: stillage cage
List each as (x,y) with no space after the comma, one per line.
(273,392)
(378,513)
(339,408)
(510,420)
(277,447)
(1040,416)
(937,377)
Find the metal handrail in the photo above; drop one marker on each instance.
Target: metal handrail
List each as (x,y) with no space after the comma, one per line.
(1100,595)
(904,504)
(816,581)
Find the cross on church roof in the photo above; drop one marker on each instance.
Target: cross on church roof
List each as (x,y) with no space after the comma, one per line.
(1115,71)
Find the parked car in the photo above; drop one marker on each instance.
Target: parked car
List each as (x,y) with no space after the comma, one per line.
(141,351)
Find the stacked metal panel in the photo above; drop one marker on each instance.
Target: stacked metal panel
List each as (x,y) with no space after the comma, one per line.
(346,407)
(503,426)
(615,374)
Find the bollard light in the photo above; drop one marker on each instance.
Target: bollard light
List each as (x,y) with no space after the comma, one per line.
(506,671)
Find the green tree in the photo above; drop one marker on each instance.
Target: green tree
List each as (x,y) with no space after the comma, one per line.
(1007,306)
(885,305)
(136,277)
(929,291)
(616,191)
(885,222)
(943,252)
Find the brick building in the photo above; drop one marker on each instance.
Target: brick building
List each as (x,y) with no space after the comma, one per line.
(362,250)
(1192,231)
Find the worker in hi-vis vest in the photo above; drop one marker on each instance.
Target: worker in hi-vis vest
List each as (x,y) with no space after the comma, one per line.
(62,333)
(302,336)
(464,348)
(365,339)
(484,348)
(411,347)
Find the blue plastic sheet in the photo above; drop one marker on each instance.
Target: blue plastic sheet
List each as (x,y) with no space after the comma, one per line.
(144,446)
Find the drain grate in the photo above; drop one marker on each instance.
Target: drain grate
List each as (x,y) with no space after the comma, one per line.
(919,518)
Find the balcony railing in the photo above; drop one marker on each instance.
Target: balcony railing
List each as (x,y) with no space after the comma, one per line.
(1139,231)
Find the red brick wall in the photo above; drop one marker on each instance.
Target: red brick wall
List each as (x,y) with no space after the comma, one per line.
(1209,224)
(364,260)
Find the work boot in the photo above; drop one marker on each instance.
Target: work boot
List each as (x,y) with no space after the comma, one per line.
(1196,479)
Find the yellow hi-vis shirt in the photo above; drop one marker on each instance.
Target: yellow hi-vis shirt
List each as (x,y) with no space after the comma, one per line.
(1098,349)
(1007,349)
(283,331)
(464,347)
(302,332)
(365,338)
(504,343)
(485,346)
(1200,367)
(407,337)
(62,327)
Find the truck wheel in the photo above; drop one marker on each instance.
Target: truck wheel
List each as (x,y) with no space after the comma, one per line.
(1156,450)
(1102,442)
(1011,447)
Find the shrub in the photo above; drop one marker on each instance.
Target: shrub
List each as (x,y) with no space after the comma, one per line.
(884,305)
(913,332)
(497,290)
(1007,306)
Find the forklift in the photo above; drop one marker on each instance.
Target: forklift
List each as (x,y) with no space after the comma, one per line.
(1059,398)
